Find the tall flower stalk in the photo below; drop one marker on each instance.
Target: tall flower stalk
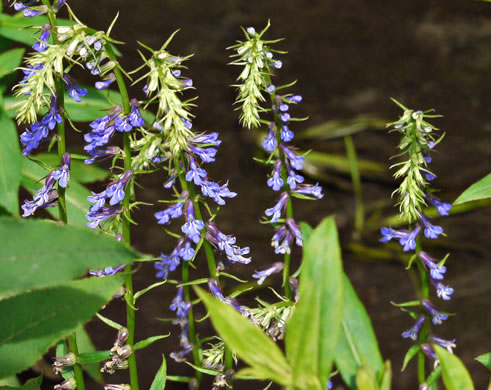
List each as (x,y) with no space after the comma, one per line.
(418,140)
(256,57)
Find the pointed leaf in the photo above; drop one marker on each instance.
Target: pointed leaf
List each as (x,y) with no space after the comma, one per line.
(385,383)
(485,360)
(159,380)
(247,340)
(312,331)
(455,375)
(10,60)
(93,357)
(38,319)
(479,190)
(10,165)
(145,343)
(409,355)
(31,384)
(41,253)
(357,345)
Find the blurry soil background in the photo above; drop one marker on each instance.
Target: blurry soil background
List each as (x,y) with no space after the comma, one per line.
(349,57)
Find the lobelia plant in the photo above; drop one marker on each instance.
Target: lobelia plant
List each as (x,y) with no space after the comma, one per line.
(57,275)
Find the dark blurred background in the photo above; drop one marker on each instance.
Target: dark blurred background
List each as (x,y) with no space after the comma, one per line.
(349,58)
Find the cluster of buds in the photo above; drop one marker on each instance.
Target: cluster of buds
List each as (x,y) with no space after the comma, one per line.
(61,362)
(119,353)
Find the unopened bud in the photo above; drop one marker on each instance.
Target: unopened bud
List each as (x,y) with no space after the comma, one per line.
(69,384)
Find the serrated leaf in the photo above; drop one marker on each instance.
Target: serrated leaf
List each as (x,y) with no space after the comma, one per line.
(409,355)
(76,194)
(454,374)
(247,340)
(313,329)
(145,343)
(485,359)
(10,165)
(79,171)
(10,60)
(357,346)
(39,318)
(479,190)
(161,376)
(42,253)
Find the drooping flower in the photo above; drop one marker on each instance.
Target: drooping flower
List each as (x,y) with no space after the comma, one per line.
(413,332)
(262,275)
(277,210)
(63,175)
(447,344)
(436,271)
(226,244)
(41,45)
(437,316)
(74,91)
(192,228)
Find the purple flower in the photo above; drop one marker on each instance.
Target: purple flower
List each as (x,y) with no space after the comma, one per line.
(74,91)
(409,241)
(41,45)
(102,131)
(102,154)
(293,179)
(276,211)
(122,124)
(431,231)
(186,250)
(262,275)
(285,117)
(294,99)
(180,306)
(286,134)
(206,155)
(275,181)
(207,139)
(447,344)
(269,143)
(135,116)
(295,230)
(97,216)
(282,240)
(226,244)
(115,190)
(166,264)
(218,293)
(295,161)
(430,352)
(217,192)
(63,175)
(442,207)
(30,13)
(442,291)
(31,138)
(192,227)
(270,88)
(108,271)
(195,174)
(388,234)
(105,83)
(53,116)
(436,271)
(437,316)
(310,190)
(430,176)
(413,332)
(174,211)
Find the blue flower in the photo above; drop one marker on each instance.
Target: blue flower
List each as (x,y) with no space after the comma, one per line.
(409,241)
(206,155)
(207,139)
(286,134)
(275,181)
(295,230)
(430,352)
(270,88)
(174,211)
(166,264)
(276,211)
(53,116)
(413,332)
(442,291)
(447,344)
(262,275)
(282,240)
(44,197)
(108,271)
(269,144)
(122,124)
(97,217)
(217,192)
(195,174)
(135,116)
(436,271)
(102,154)
(105,83)
(442,207)
(285,117)
(192,227)
(226,244)
(218,293)
(388,234)
(31,138)
(437,316)
(294,99)
(431,231)
(115,190)
(309,190)
(63,175)
(74,91)
(186,251)
(102,131)
(180,306)
(295,161)
(41,45)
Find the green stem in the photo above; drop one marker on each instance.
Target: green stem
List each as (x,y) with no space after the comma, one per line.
(229,363)
(288,257)
(423,334)
(355,178)
(60,91)
(130,312)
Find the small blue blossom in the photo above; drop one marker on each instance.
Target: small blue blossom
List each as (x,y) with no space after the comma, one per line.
(217,192)
(195,174)
(226,244)
(115,190)
(269,144)
(174,211)
(188,124)
(437,316)
(180,306)
(74,91)
(447,344)
(63,175)
(186,250)
(413,332)
(294,178)
(283,107)
(97,217)
(270,88)
(30,13)
(295,161)
(430,352)
(122,124)
(388,234)
(295,230)
(167,264)
(102,131)
(135,116)
(409,241)
(251,31)
(206,155)
(430,176)
(41,45)
(282,240)
(277,210)
(207,139)
(275,181)
(29,71)
(105,83)
(442,291)
(286,134)
(108,271)
(310,190)
(218,293)
(436,271)
(294,99)
(53,116)
(262,275)
(192,227)
(285,117)
(431,231)
(277,64)
(442,207)
(111,151)
(44,197)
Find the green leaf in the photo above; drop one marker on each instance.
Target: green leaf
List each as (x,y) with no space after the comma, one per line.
(85,346)
(10,165)
(485,360)
(479,190)
(31,384)
(41,253)
(93,357)
(159,380)
(313,330)
(76,194)
(152,286)
(16,27)
(357,346)
(385,383)
(455,375)
(109,322)
(61,350)
(10,60)
(409,355)
(79,171)
(145,343)
(366,379)
(247,341)
(38,319)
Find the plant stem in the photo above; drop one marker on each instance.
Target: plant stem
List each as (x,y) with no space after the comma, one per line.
(288,257)
(130,312)
(61,145)
(355,178)
(425,294)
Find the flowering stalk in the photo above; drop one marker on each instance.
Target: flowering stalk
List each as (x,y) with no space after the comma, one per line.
(418,141)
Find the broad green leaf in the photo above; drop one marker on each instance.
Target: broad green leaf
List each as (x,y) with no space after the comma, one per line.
(86,346)
(485,360)
(247,340)
(76,194)
(12,381)
(31,384)
(40,253)
(10,165)
(313,330)
(93,106)
(79,171)
(39,318)
(357,345)
(145,343)
(10,60)
(479,190)
(455,375)
(159,380)
(409,355)
(366,379)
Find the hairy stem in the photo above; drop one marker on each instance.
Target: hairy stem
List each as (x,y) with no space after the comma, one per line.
(130,312)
